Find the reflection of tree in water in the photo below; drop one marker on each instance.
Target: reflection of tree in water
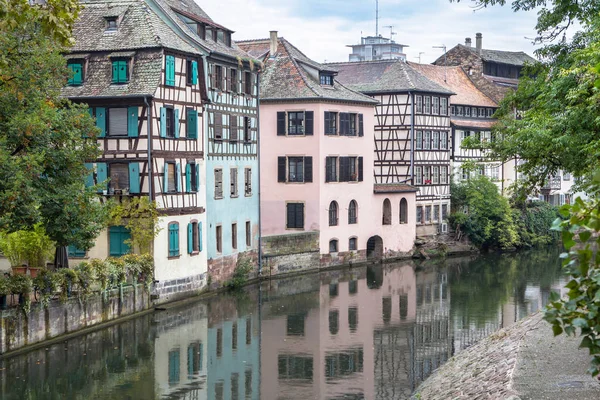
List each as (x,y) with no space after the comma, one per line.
(392,360)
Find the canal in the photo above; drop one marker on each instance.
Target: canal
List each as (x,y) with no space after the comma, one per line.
(358,333)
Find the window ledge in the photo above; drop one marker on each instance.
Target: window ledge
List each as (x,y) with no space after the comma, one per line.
(174,257)
(294,229)
(234,196)
(248,195)
(218,198)
(194,253)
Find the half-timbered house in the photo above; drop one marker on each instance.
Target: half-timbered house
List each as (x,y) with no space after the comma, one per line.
(412,133)
(319,202)
(144,86)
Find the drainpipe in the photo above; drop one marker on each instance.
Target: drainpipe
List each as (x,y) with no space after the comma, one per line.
(149,145)
(412,137)
(258,162)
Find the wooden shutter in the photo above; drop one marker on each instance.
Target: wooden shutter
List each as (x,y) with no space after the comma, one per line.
(281,161)
(300,215)
(308,122)
(134,177)
(360,169)
(233,128)
(115,72)
(291,215)
(132,122)
(200,236)
(194,72)
(170,71)
(308,169)
(176,123)
(197,177)
(188,177)
(89,179)
(192,123)
(177,177)
(344,123)
(101,120)
(344,169)
(326,122)
(163,122)
(280,123)
(361,131)
(190,238)
(166,178)
(101,175)
(122,70)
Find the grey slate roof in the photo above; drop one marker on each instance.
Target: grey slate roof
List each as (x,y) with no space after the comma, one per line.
(518,58)
(385,76)
(290,75)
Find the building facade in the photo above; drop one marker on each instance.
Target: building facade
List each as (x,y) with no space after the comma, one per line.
(317,190)
(412,133)
(377,48)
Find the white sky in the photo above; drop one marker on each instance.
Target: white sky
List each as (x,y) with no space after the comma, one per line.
(323,28)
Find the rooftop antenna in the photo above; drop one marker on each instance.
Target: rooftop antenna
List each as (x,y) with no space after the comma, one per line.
(421,52)
(445,63)
(376,17)
(392,33)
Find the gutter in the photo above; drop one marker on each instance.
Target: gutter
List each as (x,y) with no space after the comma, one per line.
(412,136)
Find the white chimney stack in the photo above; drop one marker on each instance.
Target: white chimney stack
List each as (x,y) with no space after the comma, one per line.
(478,42)
(273,49)
(468,42)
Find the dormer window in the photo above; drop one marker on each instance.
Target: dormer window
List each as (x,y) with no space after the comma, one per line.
(76,70)
(120,71)
(326,79)
(111,23)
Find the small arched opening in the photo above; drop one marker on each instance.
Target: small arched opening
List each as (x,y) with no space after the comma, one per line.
(387,212)
(375,248)
(403,211)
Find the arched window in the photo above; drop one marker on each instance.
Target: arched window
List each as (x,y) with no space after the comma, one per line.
(352,212)
(403,211)
(333,246)
(333,213)
(387,212)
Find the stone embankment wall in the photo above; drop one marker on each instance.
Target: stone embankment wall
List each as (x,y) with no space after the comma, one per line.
(18,330)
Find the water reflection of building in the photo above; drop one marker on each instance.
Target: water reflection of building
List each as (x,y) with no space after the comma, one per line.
(233,349)
(180,353)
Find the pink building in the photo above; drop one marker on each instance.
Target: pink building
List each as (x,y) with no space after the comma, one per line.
(319,201)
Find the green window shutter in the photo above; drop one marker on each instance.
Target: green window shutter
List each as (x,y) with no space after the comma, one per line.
(118,235)
(91,111)
(194,72)
(101,175)
(115,72)
(190,238)
(188,177)
(166,179)
(75,252)
(123,78)
(89,179)
(177,178)
(101,120)
(76,77)
(125,235)
(176,122)
(197,177)
(132,121)
(134,177)
(163,122)
(173,240)
(192,124)
(170,71)
(200,236)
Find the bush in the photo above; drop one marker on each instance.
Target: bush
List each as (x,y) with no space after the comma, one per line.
(32,247)
(240,275)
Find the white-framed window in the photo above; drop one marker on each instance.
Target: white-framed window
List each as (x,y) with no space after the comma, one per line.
(427,140)
(436,140)
(436,105)
(418,104)
(418,175)
(427,103)
(443,106)
(435,175)
(419,140)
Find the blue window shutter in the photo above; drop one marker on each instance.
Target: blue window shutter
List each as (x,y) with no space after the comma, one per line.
(190,238)
(176,122)
(134,177)
(175,239)
(188,177)
(163,122)
(192,124)
(166,178)
(114,241)
(125,235)
(197,177)
(177,178)
(91,111)
(101,120)
(132,121)
(170,71)
(89,179)
(194,72)
(101,175)
(115,72)
(122,65)
(200,236)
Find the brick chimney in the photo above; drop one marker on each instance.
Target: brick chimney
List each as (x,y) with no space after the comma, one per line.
(273,49)
(478,42)
(468,42)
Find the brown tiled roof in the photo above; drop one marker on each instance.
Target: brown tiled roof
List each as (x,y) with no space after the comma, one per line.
(517,58)
(290,75)
(393,188)
(472,123)
(384,77)
(456,80)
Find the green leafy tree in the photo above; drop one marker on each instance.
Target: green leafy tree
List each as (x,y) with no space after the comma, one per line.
(45,140)
(140,217)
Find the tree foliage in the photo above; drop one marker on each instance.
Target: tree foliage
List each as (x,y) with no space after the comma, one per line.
(140,217)
(44,139)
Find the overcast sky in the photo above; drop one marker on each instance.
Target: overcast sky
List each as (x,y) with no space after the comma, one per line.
(323,28)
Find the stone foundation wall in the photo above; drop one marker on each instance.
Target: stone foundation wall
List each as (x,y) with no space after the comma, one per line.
(221,269)
(176,289)
(427,230)
(290,252)
(18,330)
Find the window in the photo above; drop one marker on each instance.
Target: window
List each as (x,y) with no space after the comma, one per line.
(443,106)
(218,77)
(119,176)
(352,319)
(174,366)
(192,123)
(427,102)
(169,122)
(444,211)
(194,237)
(418,104)
(436,212)
(459,111)
(331,169)
(482,113)
(350,169)
(191,72)
(248,83)
(427,140)
(490,112)
(219,238)
(111,23)
(247,130)
(118,240)
(117,122)
(233,179)
(427,214)
(170,184)
(418,175)
(299,169)
(334,318)
(173,239)
(443,140)
(348,124)
(219,342)
(464,174)
(296,368)
(233,129)
(326,79)
(566,176)
(295,216)
(452,111)
(218,183)
(218,125)
(436,105)
(330,123)
(467,111)
(120,71)
(233,80)
(403,211)
(419,140)
(387,212)
(333,246)
(474,112)
(75,252)
(427,175)
(194,358)
(248,182)
(248,234)
(296,123)
(353,287)
(234,236)
(444,175)
(352,212)
(76,71)
(333,213)
(435,140)
(295,324)
(352,244)
(234,337)
(435,175)
(248,331)
(295,169)
(419,215)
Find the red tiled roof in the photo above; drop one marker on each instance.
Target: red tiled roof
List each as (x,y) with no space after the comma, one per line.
(393,188)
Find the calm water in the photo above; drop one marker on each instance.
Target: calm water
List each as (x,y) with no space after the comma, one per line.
(362,333)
